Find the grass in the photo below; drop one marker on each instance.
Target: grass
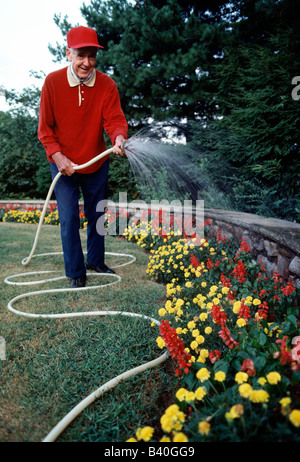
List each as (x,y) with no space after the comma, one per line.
(52,364)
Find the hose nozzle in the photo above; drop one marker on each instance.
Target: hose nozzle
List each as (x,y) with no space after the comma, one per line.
(123,147)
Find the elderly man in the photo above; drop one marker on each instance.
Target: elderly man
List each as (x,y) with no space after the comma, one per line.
(77,104)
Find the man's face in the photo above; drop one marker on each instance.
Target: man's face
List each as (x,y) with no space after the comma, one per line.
(83,60)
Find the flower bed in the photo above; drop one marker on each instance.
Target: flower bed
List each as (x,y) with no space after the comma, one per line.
(234,334)
(232,331)
(32,215)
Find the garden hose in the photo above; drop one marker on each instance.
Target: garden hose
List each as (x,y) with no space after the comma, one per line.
(61,426)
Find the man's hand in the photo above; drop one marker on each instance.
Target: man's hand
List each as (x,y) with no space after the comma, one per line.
(64,165)
(118,143)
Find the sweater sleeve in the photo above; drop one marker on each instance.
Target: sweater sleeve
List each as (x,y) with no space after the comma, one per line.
(46,133)
(114,119)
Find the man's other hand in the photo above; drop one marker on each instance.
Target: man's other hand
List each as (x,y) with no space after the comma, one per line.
(64,164)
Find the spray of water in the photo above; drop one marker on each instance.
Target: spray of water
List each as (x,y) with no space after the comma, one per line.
(171,171)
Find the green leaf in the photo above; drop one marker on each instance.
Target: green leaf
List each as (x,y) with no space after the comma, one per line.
(262,338)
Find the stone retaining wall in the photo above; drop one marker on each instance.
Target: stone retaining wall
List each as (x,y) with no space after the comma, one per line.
(274,242)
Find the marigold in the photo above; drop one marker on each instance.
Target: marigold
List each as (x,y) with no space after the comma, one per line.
(194,345)
(220,376)
(273,377)
(204,427)
(236,412)
(144,434)
(180,438)
(200,393)
(245,390)
(181,394)
(203,374)
(262,381)
(285,401)
(259,396)
(241,322)
(172,419)
(241,377)
(294,417)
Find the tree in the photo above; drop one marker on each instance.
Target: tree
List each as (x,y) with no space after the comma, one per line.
(159,53)
(258,115)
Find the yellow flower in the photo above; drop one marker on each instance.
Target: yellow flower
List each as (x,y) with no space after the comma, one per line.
(285,405)
(208,330)
(190,396)
(144,434)
(236,307)
(161,312)
(273,378)
(203,374)
(172,419)
(188,284)
(204,427)
(245,390)
(241,322)
(285,401)
(262,381)
(195,332)
(259,396)
(200,393)
(160,342)
(241,377)
(131,440)
(235,412)
(200,339)
(203,316)
(165,439)
(204,352)
(194,345)
(180,438)
(191,325)
(294,417)
(256,301)
(181,394)
(220,376)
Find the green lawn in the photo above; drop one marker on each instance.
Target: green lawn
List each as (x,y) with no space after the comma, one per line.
(52,364)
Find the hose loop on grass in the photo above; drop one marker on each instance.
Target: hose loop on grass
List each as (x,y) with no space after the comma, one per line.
(61,426)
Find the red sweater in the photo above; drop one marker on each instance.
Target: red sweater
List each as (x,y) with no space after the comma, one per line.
(77,130)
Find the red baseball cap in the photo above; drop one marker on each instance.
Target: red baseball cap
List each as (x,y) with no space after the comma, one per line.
(81,37)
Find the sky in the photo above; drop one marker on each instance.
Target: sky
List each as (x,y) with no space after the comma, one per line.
(26,29)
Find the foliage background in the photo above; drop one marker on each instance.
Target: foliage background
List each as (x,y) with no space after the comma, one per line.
(220,73)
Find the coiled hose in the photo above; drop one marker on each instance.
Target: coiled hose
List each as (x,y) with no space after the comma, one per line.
(62,425)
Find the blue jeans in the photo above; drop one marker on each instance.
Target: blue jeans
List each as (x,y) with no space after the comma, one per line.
(94,187)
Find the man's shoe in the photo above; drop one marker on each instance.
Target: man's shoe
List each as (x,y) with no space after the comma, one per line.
(78,282)
(99,269)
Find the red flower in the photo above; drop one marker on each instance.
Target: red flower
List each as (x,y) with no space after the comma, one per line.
(220,238)
(244,247)
(175,346)
(218,316)
(227,338)
(289,289)
(214,355)
(239,272)
(248,366)
(194,261)
(263,311)
(244,312)
(209,264)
